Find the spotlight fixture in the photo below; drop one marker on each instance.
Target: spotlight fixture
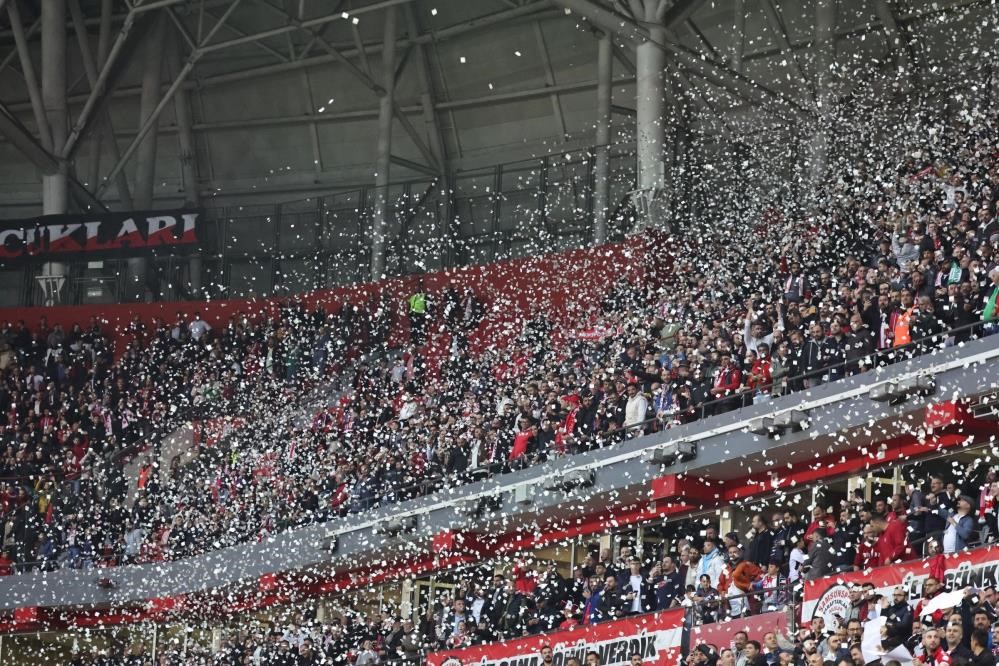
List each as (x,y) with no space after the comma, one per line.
(671,453)
(899,390)
(396,526)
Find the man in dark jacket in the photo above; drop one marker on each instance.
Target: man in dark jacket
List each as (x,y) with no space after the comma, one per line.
(688,393)
(496,602)
(667,581)
(844,541)
(810,358)
(551,585)
(517,612)
(548,618)
(786,537)
(834,351)
(612,602)
(860,346)
(636,589)
(586,422)
(926,325)
(899,614)
(954,633)
(980,654)
(795,355)
(760,546)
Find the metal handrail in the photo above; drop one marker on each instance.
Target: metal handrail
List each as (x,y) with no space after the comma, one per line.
(486,470)
(689,615)
(430,484)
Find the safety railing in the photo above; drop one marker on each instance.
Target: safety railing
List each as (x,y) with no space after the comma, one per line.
(725,404)
(701,411)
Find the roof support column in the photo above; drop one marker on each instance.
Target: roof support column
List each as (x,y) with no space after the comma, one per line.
(382,211)
(650,88)
(738,34)
(145,154)
(92,71)
(601,170)
(188,161)
(825,56)
(55,186)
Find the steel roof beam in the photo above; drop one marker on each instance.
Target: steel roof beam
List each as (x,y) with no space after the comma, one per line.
(256,42)
(367,114)
(30,80)
(366,80)
(22,139)
(415,166)
(557,113)
(428,98)
(101,88)
(680,11)
(721,76)
(90,69)
(896,39)
(779,31)
(426,38)
(298,25)
(153,118)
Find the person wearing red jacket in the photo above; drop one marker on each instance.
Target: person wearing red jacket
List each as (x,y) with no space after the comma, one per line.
(821,520)
(525,442)
(866,556)
(931,588)
(759,378)
(893,540)
(6,564)
(727,380)
(737,579)
(568,426)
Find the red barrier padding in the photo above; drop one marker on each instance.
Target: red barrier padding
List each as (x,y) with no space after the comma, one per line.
(567,286)
(676,486)
(943,414)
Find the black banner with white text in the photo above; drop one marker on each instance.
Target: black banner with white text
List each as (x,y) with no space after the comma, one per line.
(98,236)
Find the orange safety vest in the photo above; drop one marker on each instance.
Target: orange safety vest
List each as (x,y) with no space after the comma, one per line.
(901,330)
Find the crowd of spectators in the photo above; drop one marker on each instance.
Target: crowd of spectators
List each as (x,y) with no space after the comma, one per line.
(900,261)
(75,417)
(714,577)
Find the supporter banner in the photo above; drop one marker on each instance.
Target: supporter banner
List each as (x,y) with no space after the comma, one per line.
(656,636)
(720,634)
(830,596)
(62,237)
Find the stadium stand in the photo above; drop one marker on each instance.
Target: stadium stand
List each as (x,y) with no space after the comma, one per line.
(899,268)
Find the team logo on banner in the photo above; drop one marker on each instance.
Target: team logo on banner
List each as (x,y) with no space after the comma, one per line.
(833,605)
(829,596)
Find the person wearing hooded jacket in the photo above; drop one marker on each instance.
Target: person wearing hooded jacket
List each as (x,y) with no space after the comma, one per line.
(712,562)
(636,408)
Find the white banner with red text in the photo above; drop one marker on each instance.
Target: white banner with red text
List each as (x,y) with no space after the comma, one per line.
(656,636)
(830,596)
